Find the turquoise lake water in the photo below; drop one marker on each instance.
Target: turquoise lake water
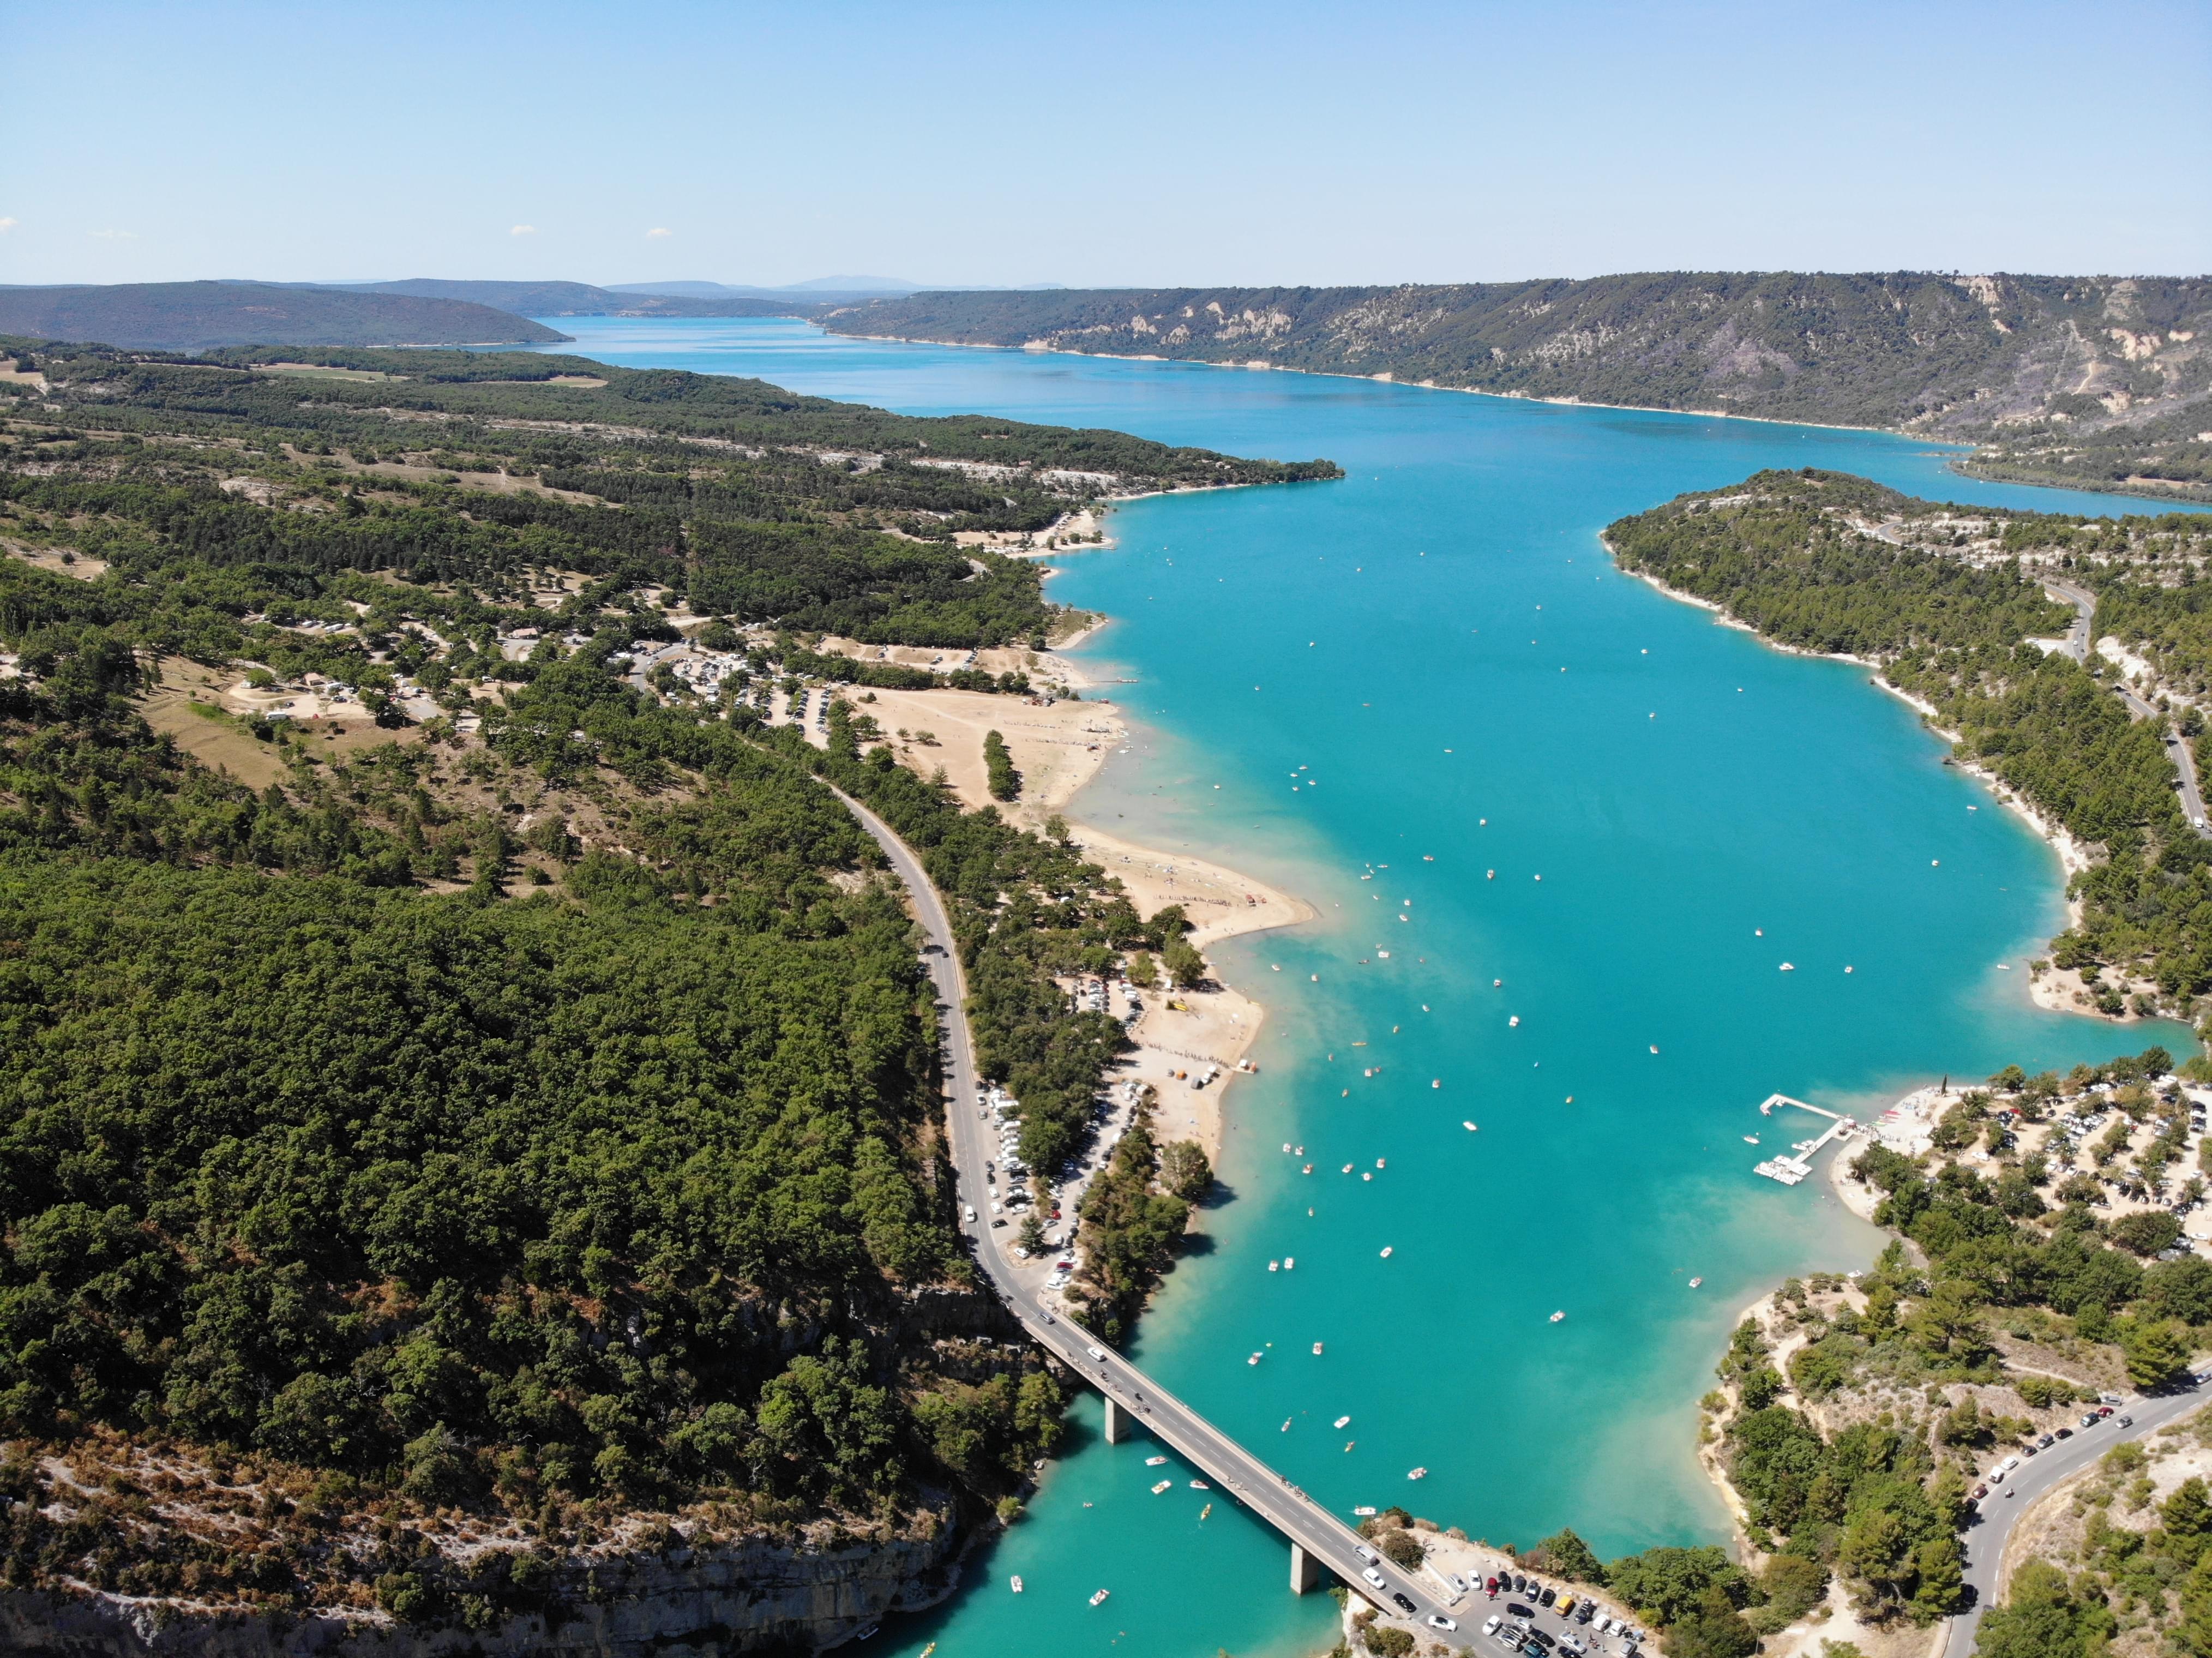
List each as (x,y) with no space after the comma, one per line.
(1438,640)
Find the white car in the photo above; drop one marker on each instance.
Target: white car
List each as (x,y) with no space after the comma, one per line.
(1374,1577)
(1491,1628)
(1098,1353)
(971,1214)
(1438,1620)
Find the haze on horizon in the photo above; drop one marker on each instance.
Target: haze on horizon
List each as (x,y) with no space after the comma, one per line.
(980,144)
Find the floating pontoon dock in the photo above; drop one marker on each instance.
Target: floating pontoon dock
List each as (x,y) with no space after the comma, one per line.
(1796,1166)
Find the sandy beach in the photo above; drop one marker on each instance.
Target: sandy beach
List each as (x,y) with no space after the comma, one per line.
(1058,748)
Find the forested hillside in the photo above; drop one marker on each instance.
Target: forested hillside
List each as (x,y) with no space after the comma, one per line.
(1944,600)
(2073,377)
(503,1145)
(194,316)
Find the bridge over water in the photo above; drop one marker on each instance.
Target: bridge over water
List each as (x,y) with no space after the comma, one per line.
(1133,1401)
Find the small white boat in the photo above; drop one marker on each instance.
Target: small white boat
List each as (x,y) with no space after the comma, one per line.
(1347,1168)
(1695,1282)
(1155,1461)
(1344,1422)
(1513,1021)
(1308,1169)
(1204,1511)
(1751,1140)
(1788,967)
(1200,1485)
(1100,1596)
(1469,1127)
(1162,1486)
(1017,1582)
(1289,1262)
(1256,1358)
(1559,1317)
(1417,1473)
(1379,1164)
(1367,1513)
(1382,955)
(1386,1250)
(1655,1046)
(1274,1265)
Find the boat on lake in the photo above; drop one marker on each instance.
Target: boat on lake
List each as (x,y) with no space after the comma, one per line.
(1162,1486)
(1099,1597)
(1344,1422)
(1417,1473)
(1017,1582)
(1695,1282)
(1559,1317)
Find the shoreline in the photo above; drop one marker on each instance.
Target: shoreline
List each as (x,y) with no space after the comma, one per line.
(1256,366)
(2052,990)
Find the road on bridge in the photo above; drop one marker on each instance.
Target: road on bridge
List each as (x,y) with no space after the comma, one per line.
(2177,748)
(1326,1539)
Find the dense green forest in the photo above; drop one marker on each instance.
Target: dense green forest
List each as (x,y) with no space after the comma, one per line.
(1936,597)
(1964,356)
(730,494)
(530,1120)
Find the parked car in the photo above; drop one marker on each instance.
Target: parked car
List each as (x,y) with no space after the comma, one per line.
(1585,1612)
(1548,1596)
(1491,1628)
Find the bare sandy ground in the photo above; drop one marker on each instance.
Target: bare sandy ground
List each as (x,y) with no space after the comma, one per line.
(1057,749)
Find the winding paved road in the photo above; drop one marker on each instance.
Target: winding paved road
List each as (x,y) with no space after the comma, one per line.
(1986,1537)
(2177,748)
(1228,1466)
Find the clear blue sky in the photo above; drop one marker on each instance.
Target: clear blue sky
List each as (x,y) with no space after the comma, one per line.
(1099,144)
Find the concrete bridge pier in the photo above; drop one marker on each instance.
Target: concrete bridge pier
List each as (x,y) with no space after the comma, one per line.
(1117,1422)
(1306,1571)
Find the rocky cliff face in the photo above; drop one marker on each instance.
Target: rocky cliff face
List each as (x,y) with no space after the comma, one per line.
(742,1597)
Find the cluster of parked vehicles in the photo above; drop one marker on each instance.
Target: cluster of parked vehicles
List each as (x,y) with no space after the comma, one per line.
(2042,1442)
(1514,1629)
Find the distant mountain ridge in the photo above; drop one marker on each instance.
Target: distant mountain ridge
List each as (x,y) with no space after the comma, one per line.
(565,299)
(1954,355)
(199,316)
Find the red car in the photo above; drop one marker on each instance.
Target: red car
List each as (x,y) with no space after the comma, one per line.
(2104,1410)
